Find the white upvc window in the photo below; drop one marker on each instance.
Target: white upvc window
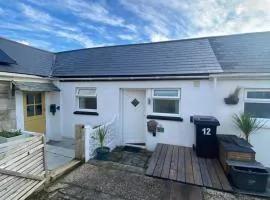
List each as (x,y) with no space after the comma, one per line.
(166,102)
(257,103)
(86,99)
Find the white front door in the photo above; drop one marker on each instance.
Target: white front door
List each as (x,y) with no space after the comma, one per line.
(134,126)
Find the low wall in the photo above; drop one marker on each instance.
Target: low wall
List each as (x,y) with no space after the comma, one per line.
(91,142)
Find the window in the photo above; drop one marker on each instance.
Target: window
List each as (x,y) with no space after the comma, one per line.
(257,103)
(166,101)
(33,104)
(86,99)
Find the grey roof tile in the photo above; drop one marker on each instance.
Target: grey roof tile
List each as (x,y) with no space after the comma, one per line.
(28,60)
(164,58)
(243,53)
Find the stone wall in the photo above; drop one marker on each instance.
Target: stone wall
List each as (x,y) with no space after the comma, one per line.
(7,107)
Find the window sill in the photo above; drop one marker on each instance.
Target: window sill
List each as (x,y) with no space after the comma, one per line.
(169,118)
(85,113)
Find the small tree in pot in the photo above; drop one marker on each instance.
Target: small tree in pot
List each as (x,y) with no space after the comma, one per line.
(102,151)
(247,124)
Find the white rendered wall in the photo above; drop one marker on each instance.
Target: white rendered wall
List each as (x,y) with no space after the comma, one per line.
(53,122)
(19,110)
(108,103)
(197,97)
(223,112)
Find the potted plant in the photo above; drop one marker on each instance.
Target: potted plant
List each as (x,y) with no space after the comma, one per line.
(233,98)
(247,124)
(102,151)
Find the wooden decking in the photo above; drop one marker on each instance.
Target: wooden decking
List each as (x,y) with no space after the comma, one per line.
(181,164)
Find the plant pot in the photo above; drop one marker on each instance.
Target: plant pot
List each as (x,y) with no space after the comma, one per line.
(102,153)
(231,101)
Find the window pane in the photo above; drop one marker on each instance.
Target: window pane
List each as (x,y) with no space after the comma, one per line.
(29,98)
(87,92)
(38,98)
(87,102)
(258,110)
(259,95)
(166,93)
(166,106)
(38,109)
(30,111)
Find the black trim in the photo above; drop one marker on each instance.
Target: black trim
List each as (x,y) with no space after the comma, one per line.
(85,113)
(179,119)
(134,79)
(136,75)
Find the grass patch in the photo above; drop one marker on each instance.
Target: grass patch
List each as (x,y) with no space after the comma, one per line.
(9,134)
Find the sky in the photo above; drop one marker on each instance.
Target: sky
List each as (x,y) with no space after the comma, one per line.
(59,25)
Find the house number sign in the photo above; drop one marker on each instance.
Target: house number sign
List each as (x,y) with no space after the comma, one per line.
(206,131)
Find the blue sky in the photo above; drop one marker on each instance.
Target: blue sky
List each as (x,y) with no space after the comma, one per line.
(58,25)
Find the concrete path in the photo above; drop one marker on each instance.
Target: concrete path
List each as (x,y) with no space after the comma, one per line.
(113,181)
(116,183)
(59,153)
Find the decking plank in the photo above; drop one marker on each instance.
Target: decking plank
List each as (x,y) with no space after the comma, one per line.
(188,166)
(153,160)
(196,169)
(174,163)
(213,174)
(205,175)
(161,159)
(181,165)
(222,178)
(167,163)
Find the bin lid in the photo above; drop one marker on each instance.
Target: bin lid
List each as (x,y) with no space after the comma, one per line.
(234,143)
(248,164)
(205,120)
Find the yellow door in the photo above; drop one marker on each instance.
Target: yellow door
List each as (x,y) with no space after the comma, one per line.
(34,111)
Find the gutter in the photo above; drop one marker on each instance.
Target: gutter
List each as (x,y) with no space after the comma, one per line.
(133,78)
(242,76)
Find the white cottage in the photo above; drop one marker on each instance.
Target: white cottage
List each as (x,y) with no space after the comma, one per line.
(166,81)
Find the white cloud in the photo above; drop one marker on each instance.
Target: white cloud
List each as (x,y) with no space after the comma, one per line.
(180,19)
(35,15)
(24,42)
(82,39)
(127,37)
(95,12)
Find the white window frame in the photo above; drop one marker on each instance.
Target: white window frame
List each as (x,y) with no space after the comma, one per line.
(256,100)
(78,96)
(178,97)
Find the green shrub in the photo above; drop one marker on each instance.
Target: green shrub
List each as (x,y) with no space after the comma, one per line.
(9,134)
(247,124)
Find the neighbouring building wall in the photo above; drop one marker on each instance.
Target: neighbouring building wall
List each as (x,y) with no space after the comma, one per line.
(7,107)
(260,140)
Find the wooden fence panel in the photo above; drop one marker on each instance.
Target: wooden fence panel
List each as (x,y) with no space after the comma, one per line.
(22,167)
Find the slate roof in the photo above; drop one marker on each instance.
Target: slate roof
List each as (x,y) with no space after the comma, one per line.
(164,58)
(5,59)
(241,53)
(29,60)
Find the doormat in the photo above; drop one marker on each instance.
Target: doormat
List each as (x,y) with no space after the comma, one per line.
(132,149)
